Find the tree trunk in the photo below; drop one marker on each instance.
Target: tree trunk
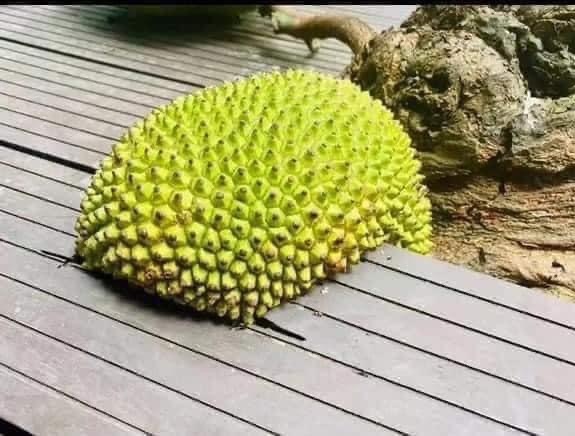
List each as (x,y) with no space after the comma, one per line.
(487,95)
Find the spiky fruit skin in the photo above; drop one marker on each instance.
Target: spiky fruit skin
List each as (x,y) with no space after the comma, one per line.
(243,196)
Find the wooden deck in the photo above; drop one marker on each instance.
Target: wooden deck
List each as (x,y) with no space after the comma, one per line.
(403,345)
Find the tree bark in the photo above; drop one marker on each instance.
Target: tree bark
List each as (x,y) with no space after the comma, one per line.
(517,222)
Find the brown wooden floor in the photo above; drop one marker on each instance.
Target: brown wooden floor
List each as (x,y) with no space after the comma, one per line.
(403,345)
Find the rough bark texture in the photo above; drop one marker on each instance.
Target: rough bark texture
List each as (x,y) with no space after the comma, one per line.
(538,39)
(515,218)
(438,84)
(487,95)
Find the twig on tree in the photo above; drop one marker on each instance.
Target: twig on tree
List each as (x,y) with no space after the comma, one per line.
(349,30)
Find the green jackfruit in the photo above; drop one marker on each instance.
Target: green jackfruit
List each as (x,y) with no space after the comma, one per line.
(243,196)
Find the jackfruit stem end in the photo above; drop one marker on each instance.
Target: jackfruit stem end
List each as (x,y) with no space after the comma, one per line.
(351,31)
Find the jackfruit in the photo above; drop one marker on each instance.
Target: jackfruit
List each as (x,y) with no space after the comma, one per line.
(241,197)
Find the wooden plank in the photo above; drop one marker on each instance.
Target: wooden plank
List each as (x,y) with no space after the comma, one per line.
(61,117)
(256,31)
(482,316)
(222,46)
(401,323)
(491,397)
(41,187)
(480,285)
(61,219)
(56,23)
(109,388)
(373,14)
(130,97)
(378,16)
(85,95)
(52,123)
(394,15)
(231,46)
(168,364)
(42,411)
(319,346)
(77,107)
(72,67)
(44,168)
(57,26)
(105,72)
(31,128)
(11,225)
(511,357)
(57,132)
(17,138)
(452,343)
(289,366)
(497,399)
(99,50)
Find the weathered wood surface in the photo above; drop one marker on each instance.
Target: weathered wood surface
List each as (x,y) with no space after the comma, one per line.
(403,345)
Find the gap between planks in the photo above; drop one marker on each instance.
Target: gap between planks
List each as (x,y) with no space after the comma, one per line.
(51,406)
(172,66)
(75,199)
(486,300)
(362,389)
(470,295)
(233,54)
